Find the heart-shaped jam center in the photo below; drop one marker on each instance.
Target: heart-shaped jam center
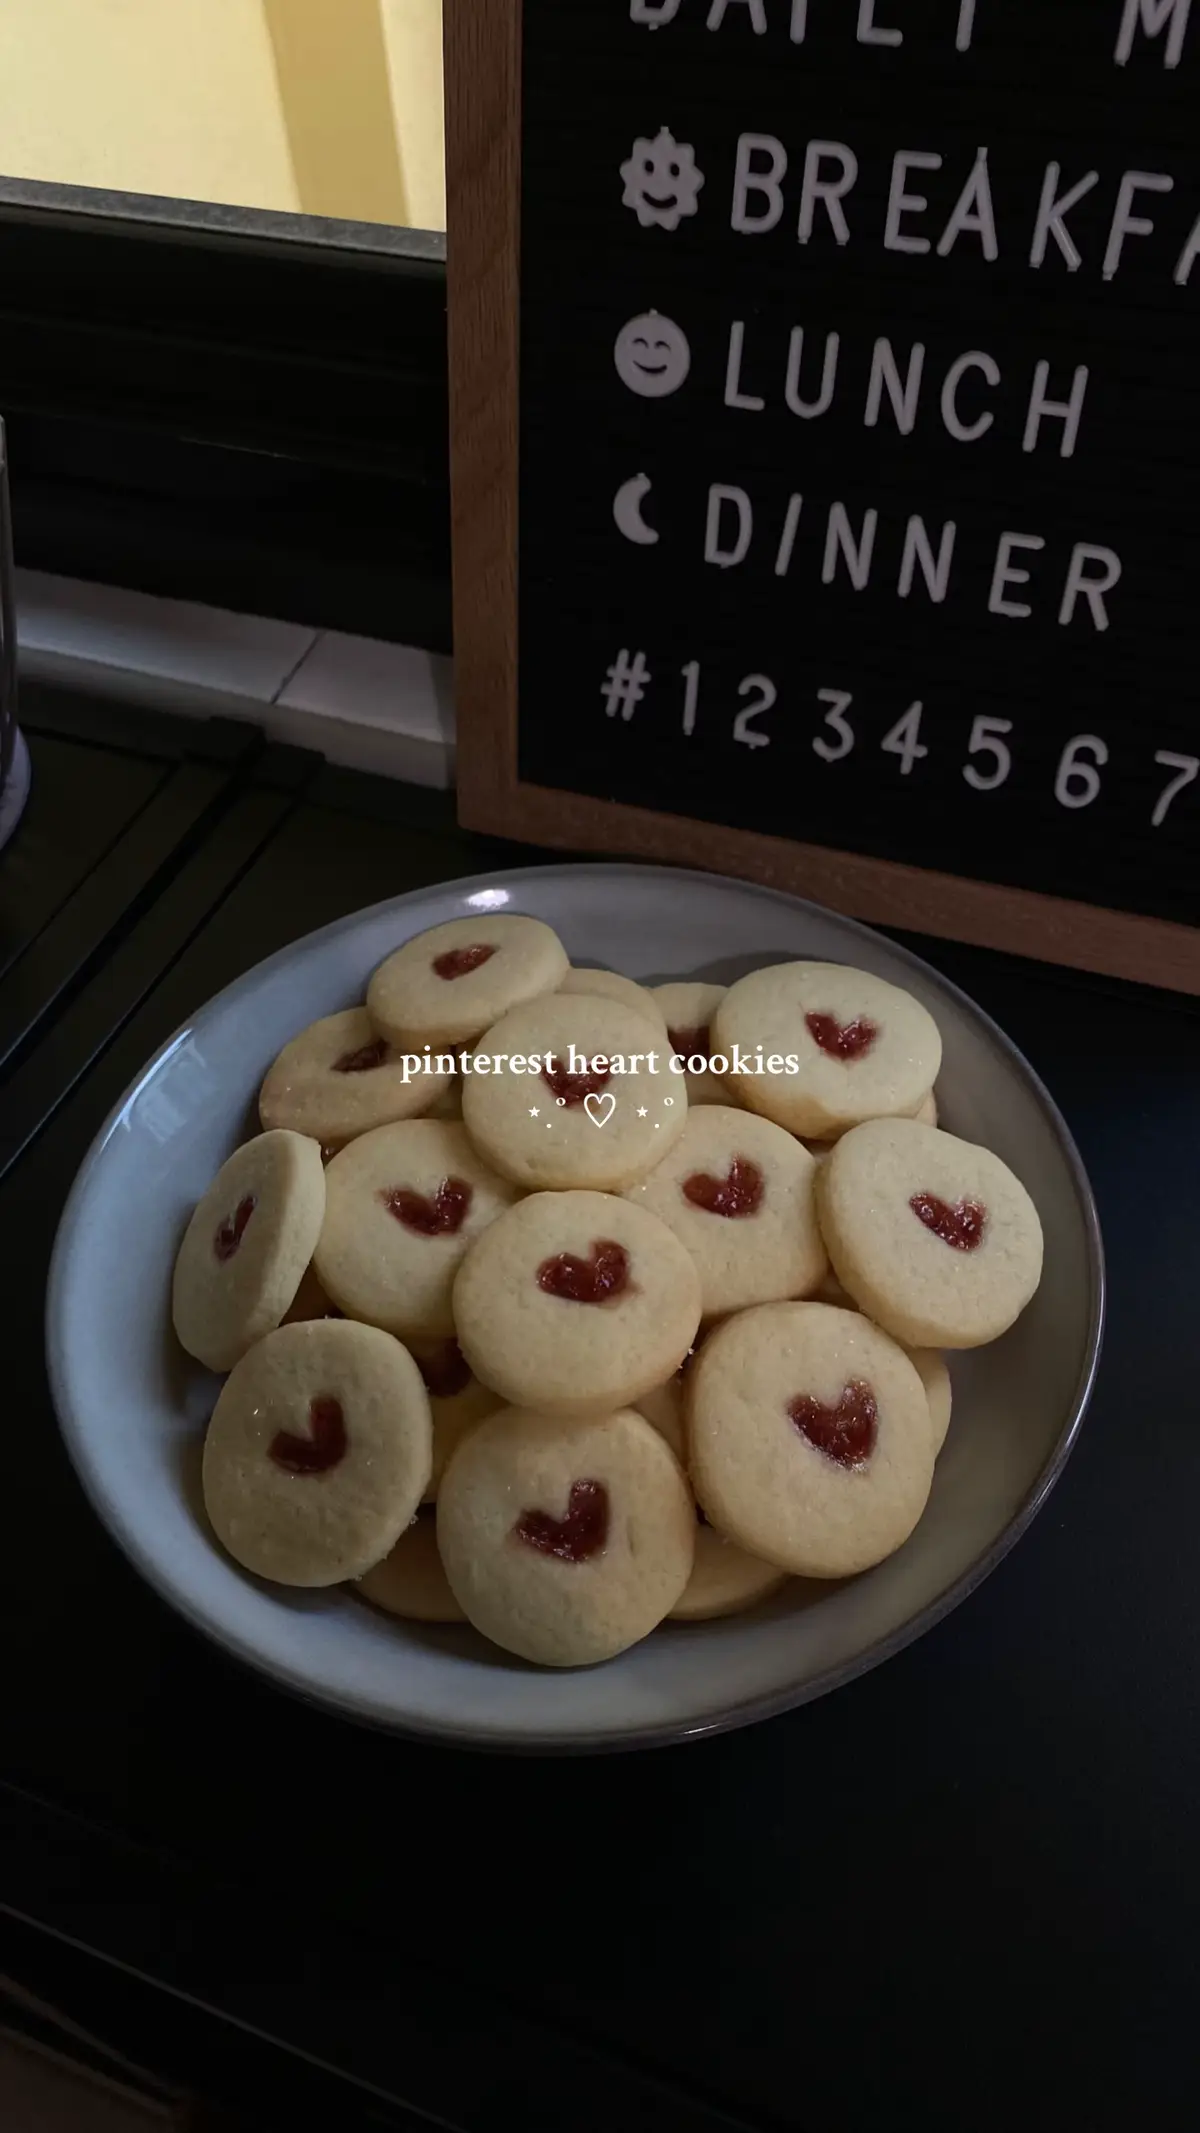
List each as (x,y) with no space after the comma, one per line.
(961,1226)
(231,1232)
(739,1192)
(842,1040)
(459,962)
(445,1370)
(323,1448)
(578,1536)
(441,1214)
(587,1281)
(690,1043)
(573,1088)
(364,1060)
(845,1433)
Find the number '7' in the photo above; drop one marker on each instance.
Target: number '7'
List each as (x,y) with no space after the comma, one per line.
(1187,766)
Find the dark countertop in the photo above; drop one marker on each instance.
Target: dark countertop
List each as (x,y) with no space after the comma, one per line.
(963,1883)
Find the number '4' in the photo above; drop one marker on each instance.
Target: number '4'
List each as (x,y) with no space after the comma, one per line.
(904,739)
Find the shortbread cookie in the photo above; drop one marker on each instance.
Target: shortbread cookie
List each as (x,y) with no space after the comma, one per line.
(738,1193)
(687,1006)
(247,1246)
(931,1369)
(724,1580)
(610,985)
(449,1103)
(809,1438)
(565,1542)
(599,1119)
(448,985)
(576,1303)
(337,1079)
(317,1453)
(663,1408)
(818,1047)
(403,1204)
(457,1401)
(410,1581)
(935,1238)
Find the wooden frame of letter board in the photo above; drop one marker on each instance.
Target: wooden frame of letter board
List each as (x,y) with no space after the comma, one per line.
(483,154)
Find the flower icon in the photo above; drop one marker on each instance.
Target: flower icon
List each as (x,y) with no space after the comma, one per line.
(662,182)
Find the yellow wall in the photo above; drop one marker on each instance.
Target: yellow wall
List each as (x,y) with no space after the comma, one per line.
(147,96)
(414,35)
(289,104)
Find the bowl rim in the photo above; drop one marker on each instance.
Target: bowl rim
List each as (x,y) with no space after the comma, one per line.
(617,1739)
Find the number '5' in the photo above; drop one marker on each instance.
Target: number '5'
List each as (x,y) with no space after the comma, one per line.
(984,741)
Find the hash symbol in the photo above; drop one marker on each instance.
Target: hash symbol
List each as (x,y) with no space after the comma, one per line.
(625,684)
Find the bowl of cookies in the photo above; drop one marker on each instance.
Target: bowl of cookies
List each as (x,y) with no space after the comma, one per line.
(580,1308)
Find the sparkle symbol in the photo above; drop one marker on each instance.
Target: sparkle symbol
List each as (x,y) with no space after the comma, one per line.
(662,183)
(668,1102)
(641,1110)
(562,1103)
(533,1111)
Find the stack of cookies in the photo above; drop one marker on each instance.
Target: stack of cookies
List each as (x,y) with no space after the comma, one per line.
(569,1307)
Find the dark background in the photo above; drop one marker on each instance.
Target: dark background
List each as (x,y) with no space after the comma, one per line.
(1038,85)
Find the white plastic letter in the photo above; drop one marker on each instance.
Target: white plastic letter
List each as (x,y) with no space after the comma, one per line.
(902,203)
(918,549)
(714,552)
(1051,209)
(758,14)
(973,210)
(904,397)
(1071,410)
(734,396)
(810,408)
(831,190)
(1092,588)
(857,552)
(1126,225)
(871,32)
(1004,574)
(747,180)
(1154,15)
(967,432)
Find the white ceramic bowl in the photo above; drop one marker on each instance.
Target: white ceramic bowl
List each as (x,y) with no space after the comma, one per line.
(132,1408)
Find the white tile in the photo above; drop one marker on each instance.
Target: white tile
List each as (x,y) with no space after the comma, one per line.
(383,707)
(178,644)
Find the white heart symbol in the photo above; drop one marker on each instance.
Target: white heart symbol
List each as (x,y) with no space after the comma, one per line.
(600,1108)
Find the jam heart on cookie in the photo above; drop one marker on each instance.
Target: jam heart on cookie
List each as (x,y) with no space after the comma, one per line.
(578,1536)
(845,1433)
(842,1040)
(594,1280)
(231,1232)
(739,1192)
(460,962)
(690,1043)
(323,1448)
(364,1060)
(961,1226)
(571,1088)
(442,1215)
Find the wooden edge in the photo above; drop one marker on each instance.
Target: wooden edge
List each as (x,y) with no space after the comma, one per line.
(1050,929)
(483,136)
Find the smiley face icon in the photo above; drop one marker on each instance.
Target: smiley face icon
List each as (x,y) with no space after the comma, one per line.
(652,355)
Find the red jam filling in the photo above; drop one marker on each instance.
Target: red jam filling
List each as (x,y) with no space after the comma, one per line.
(842,1040)
(446,1371)
(578,1536)
(323,1448)
(740,1192)
(459,962)
(689,1042)
(364,1060)
(441,1216)
(231,1232)
(961,1226)
(573,1088)
(845,1433)
(587,1281)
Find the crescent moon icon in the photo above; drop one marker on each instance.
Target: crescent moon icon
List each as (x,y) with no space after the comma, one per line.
(627,511)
